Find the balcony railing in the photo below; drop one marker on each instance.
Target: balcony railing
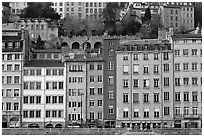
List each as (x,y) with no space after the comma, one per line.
(189,116)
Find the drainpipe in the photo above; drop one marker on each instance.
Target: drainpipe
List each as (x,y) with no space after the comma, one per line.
(131,90)
(161,92)
(66,90)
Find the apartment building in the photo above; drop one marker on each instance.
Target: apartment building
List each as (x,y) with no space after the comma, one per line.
(14,43)
(95,89)
(17,7)
(110,45)
(38,27)
(144,75)
(178,15)
(44,91)
(59,7)
(188,80)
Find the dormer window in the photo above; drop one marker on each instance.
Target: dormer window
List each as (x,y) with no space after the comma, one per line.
(10,45)
(3,45)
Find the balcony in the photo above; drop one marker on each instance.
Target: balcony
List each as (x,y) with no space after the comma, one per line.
(190,116)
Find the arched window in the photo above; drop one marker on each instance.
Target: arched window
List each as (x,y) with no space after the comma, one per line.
(75,45)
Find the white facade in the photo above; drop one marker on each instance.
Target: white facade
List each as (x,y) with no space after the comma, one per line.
(52,110)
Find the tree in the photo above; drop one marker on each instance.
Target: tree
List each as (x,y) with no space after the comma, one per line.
(111,15)
(147,16)
(197,13)
(5,12)
(40,10)
(131,28)
(155,24)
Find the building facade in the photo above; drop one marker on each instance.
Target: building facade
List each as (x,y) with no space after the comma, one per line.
(14,43)
(188,80)
(44,91)
(144,84)
(38,27)
(17,7)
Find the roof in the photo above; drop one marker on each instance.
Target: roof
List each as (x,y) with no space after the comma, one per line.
(145,41)
(44,63)
(180,36)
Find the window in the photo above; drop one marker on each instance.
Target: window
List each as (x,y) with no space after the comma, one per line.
(60,85)
(16,79)
(111,110)
(17,56)
(194,52)
(135,57)
(25,114)
(177,52)
(156,56)
(91,78)
(125,97)
(110,80)
(185,66)
(194,81)
(156,82)
(99,115)
(100,91)
(54,72)
(135,97)
(91,67)
(25,99)
(48,72)
(91,114)
(60,99)
(177,96)
(177,110)
(61,72)
(110,94)
(125,114)
(166,67)
(166,81)
(156,68)
(8,105)
(38,85)
(125,68)
(54,113)
(145,56)
(125,57)
(9,56)
(16,106)
(100,103)
(146,97)
(38,114)
(91,91)
(48,99)
(47,113)
(146,113)
(195,96)
(135,82)
(194,66)
(54,85)
(166,96)
(110,65)
(186,96)
(99,67)
(8,79)
(186,111)
(166,111)
(54,99)
(185,81)
(135,68)
(16,67)
(156,113)
(185,52)
(16,93)
(38,99)
(9,67)
(32,99)
(146,69)
(156,97)
(166,55)
(100,78)
(91,103)
(32,72)
(8,93)
(146,83)
(136,113)
(177,66)
(195,110)
(177,81)
(125,83)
